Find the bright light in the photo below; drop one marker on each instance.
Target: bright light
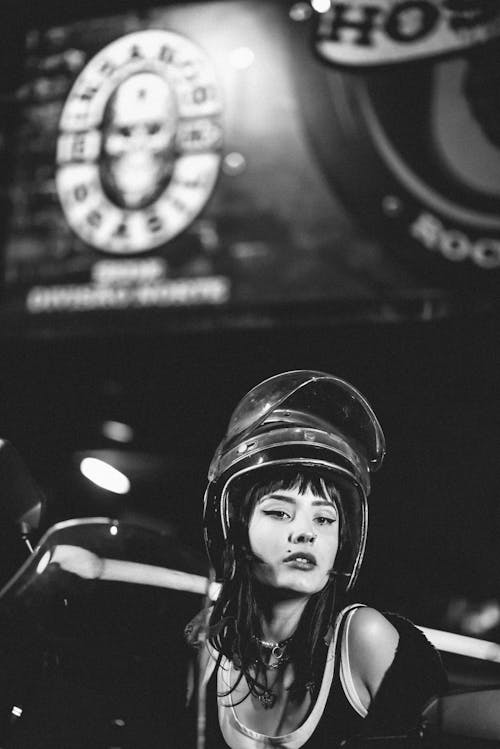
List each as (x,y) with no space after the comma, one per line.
(43,563)
(241,58)
(117,431)
(321,6)
(104,475)
(113,530)
(300,12)
(234,163)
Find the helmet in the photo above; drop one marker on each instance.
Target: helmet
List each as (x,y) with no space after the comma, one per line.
(306,419)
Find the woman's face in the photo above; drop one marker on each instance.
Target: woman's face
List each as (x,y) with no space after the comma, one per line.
(295,537)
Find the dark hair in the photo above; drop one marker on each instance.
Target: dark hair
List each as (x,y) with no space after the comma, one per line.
(235,619)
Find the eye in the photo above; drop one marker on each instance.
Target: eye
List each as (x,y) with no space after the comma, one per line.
(325,520)
(279,514)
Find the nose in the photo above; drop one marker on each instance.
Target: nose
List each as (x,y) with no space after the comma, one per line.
(302,537)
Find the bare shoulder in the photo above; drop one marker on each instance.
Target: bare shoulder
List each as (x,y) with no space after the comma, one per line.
(371,628)
(372,643)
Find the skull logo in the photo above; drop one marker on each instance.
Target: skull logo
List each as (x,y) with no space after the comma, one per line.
(139,126)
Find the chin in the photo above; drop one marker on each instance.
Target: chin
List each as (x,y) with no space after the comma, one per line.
(301,587)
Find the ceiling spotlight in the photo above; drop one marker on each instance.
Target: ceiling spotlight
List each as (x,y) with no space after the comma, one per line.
(104,475)
(300,12)
(117,431)
(321,6)
(234,164)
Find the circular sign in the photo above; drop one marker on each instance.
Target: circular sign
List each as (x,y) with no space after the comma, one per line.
(140,138)
(412,146)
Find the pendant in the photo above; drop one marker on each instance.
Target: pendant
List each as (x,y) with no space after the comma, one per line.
(267,699)
(278,651)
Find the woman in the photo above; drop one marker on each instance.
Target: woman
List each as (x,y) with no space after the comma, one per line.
(285,528)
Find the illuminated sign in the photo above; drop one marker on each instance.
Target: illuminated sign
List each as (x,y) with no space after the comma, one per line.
(182,292)
(429,178)
(138,152)
(358,32)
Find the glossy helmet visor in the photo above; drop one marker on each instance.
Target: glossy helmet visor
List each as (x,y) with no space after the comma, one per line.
(306,420)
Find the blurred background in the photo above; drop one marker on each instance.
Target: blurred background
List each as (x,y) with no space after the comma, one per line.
(198,195)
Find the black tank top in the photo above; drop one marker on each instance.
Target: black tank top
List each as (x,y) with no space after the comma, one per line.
(338,721)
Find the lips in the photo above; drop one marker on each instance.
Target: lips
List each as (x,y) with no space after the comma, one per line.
(301,560)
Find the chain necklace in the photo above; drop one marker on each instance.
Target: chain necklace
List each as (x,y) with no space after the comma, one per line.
(267,698)
(277,650)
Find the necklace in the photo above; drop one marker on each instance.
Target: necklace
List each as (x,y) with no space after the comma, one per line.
(277,650)
(267,698)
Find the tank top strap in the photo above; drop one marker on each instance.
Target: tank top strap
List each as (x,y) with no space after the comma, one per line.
(346,675)
(339,719)
(340,624)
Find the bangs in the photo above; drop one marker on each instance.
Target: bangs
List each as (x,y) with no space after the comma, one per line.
(250,488)
(302,480)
